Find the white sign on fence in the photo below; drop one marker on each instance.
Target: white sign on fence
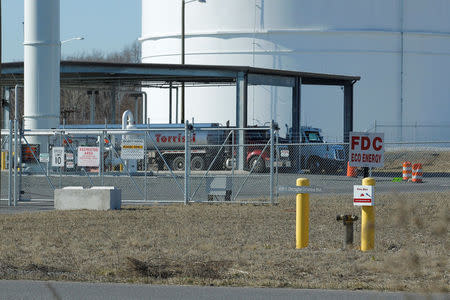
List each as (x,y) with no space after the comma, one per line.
(363,195)
(58,157)
(132,149)
(292,190)
(366,149)
(44,157)
(88,156)
(69,156)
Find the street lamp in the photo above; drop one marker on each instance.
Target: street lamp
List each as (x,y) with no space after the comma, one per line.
(183,4)
(73,39)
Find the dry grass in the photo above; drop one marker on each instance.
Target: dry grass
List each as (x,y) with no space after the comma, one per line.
(234,245)
(431,160)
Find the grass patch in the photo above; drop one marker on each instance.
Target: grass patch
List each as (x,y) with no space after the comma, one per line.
(234,245)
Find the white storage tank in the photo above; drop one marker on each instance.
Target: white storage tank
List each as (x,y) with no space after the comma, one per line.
(401,50)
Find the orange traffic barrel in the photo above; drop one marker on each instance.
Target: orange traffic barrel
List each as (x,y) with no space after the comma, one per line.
(417,173)
(406,170)
(351,171)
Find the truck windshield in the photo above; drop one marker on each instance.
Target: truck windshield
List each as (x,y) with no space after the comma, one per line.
(313,137)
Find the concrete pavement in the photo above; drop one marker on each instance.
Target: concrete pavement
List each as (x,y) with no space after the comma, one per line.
(13,289)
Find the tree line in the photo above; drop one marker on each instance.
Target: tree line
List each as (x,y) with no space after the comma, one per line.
(75,103)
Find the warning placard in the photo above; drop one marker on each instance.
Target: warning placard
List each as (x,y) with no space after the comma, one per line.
(132,149)
(363,195)
(44,157)
(88,156)
(366,149)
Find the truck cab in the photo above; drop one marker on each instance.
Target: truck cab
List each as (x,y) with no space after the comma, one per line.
(318,156)
(259,160)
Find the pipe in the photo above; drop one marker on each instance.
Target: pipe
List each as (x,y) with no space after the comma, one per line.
(127,117)
(6,108)
(347,220)
(16,141)
(42,55)
(144,100)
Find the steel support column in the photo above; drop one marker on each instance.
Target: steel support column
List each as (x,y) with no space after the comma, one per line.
(170,103)
(113,106)
(348,111)
(296,132)
(92,106)
(241,116)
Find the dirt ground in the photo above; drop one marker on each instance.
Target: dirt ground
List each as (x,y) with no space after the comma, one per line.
(431,160)
(235,245)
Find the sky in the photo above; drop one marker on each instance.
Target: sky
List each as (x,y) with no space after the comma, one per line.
(105,25)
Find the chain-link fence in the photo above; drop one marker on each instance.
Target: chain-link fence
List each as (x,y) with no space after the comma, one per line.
(146,164)
(223,164)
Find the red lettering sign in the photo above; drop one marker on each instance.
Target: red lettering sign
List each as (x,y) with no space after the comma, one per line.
(366,149)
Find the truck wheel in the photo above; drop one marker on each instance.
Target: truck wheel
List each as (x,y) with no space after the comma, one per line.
(178,163)
(197,163)
(315,165)
(257,164)
(160,165)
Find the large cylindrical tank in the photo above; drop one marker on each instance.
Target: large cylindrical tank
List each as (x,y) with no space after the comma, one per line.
(401,50)
(41,64)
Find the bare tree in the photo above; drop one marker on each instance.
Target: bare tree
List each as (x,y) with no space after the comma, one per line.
(75,103)
(129,54)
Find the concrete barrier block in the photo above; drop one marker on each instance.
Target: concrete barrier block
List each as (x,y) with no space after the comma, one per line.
(95,198)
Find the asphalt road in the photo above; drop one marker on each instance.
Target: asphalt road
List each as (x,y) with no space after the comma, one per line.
(163,187)
(74,290)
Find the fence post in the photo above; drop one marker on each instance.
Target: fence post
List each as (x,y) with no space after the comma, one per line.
(60,168)
(10,163)
(145,165)
(187,160)
(277,151)
(232,162)
(101,167)
(16,158)
(48,152)
(271,161)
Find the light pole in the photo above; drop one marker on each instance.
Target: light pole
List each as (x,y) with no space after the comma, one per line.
(66,112)
(183,5)
(73,39)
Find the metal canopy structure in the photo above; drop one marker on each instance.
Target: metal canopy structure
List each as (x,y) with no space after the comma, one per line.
(104,73)
(95,75)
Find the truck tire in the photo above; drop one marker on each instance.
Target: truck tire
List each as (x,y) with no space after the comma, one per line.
(197,163)
(178,163)
(257,164)
(315,165)
(160,165)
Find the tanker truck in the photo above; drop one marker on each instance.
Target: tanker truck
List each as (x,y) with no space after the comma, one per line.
(166,147)
(210,143)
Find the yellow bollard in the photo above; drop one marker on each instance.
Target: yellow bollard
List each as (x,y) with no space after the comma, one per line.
(368,221)
(302,216)
(3,160)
